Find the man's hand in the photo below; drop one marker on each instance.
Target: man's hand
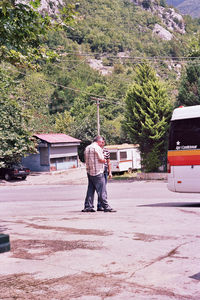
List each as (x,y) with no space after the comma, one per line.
(102,161)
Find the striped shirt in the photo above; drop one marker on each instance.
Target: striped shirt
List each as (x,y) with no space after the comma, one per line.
(93,153)
(106,154)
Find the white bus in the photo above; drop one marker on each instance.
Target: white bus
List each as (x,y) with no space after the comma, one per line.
(184,150)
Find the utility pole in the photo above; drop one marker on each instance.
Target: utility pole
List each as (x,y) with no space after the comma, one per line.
(98,119)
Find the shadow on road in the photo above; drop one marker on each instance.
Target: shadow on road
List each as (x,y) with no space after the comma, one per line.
(195,276)
(173,204)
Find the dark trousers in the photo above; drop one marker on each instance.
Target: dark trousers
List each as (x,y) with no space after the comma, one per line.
(96,183)
(106,180)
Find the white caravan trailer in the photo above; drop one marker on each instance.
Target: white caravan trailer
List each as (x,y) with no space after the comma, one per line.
(125,157)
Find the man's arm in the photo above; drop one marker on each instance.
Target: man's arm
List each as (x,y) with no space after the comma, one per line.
(109,168)
(101,160)
(100,155)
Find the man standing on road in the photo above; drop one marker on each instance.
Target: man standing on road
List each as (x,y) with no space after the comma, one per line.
(95,161)
(107,171)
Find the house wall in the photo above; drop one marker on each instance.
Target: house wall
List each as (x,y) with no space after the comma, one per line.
(52,158)
(33,163)
(63,163)
(63,158)
(63,151)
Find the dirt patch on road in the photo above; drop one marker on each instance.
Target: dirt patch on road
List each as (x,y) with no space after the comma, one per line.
(70,230)
(25,287)
(73,230)
(151,238)
(36,249)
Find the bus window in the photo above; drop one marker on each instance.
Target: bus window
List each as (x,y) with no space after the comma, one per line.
(184,134)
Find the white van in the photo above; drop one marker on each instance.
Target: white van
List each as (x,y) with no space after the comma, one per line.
(125,157)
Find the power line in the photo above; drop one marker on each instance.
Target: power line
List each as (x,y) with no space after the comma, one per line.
(136,58)
(69,68)
(76,90)
(110,100)
(105,54)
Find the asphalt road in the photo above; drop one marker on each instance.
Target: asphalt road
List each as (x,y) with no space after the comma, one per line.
(149,249)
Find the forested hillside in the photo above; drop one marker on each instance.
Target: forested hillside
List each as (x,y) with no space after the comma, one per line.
(54,73)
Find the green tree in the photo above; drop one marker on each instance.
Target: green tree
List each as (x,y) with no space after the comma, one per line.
(34,93)
(147,115)
(146,3)
(15,136)
(194,46)
(23,29)
(64,123)
(189,89)
(22,43)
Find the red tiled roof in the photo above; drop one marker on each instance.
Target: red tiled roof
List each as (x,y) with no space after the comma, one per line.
(53,138)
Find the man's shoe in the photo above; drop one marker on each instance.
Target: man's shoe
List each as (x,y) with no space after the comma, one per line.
(109,210)
(100,209)
(88,210)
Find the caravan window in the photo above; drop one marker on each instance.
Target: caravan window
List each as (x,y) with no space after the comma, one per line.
(113,155)
(123,155)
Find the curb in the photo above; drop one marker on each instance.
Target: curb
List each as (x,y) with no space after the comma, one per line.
(151,176)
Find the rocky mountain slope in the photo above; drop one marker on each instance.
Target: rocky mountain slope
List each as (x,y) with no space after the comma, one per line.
(174,2)
(187,7)
(169,17)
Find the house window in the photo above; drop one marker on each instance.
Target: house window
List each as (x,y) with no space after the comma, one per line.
(113,156)
(123,155)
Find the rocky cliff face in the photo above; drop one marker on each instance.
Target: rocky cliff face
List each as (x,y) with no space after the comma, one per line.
(50,7)
(190,7)
(186,7)
(172,21)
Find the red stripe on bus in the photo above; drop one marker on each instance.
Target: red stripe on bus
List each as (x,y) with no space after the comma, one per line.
(183,152)
(184,160)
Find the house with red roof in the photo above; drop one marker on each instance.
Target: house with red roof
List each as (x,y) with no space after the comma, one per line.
(56,151)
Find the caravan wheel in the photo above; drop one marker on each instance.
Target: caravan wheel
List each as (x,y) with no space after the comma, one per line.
(130,170)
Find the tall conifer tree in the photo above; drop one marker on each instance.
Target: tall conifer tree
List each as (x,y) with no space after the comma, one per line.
(189,89)
(147,116)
